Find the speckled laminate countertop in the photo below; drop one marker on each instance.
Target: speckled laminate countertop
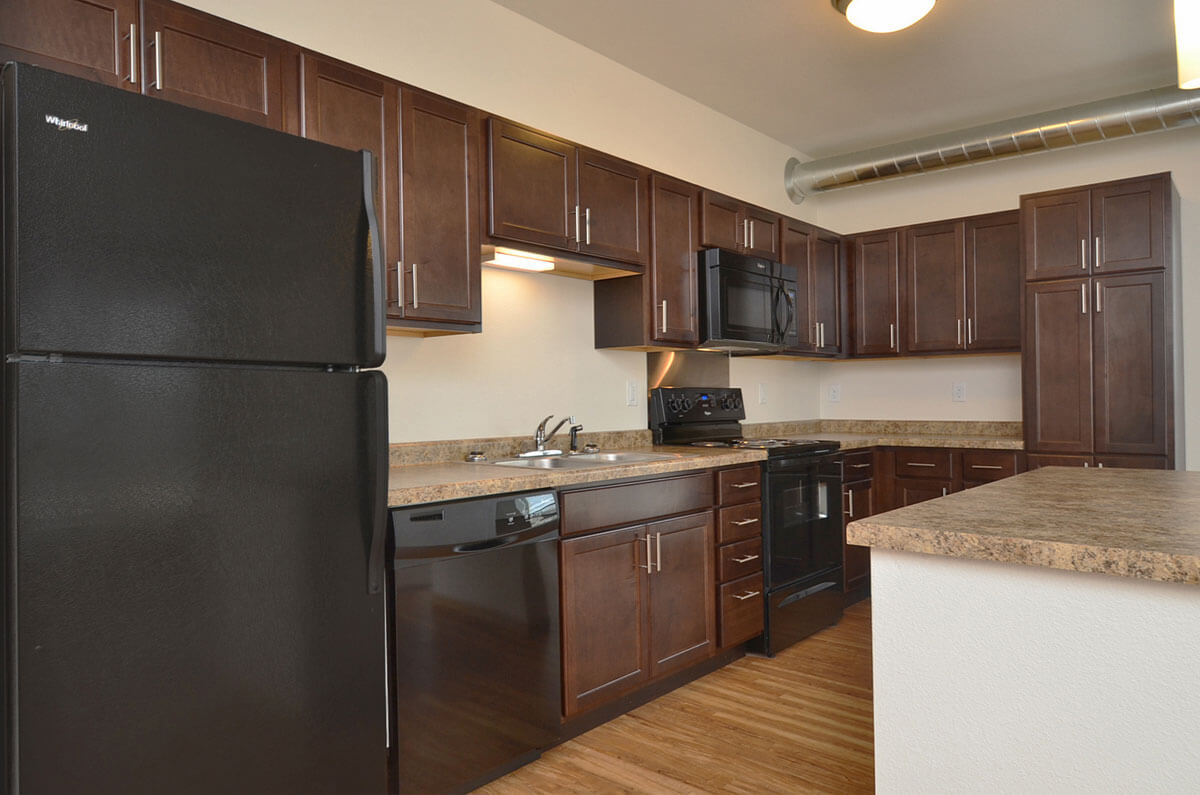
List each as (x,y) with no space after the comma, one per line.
(421,483)
(1125,522)
(857,441)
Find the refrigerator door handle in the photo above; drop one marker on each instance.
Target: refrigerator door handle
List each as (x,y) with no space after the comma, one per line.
(377,428)
(378,266)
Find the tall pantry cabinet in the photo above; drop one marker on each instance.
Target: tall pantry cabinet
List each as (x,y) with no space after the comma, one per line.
(1101,328)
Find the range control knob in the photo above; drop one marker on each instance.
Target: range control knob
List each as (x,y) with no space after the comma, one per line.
(673,406)
(687,404)
(737,402)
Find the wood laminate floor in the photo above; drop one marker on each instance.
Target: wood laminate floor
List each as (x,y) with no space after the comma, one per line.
(801,722)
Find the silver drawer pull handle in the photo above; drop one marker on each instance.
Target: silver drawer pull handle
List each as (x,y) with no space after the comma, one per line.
(742,485)
(744,596)
(919,464)
(745,522)
(985,466)
(860,466)
(746,559)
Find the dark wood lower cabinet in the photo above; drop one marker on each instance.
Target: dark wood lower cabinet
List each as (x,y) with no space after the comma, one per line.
(682,618)
(858,503)
(910,491)
(1057,367)
(1036,461)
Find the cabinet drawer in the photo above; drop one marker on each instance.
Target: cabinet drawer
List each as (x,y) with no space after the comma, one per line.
(739,522)
(740,612)
(858,466)
(634,503)
(739,560)
(989,464)
(743,484)
(924,463)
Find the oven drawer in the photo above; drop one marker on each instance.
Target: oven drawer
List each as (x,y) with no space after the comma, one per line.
(858,466)
(740,610)
(739,560)
(743,484)
(739,522)
(924,463)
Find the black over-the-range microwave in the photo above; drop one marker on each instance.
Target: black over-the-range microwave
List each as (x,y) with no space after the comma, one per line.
(748,303)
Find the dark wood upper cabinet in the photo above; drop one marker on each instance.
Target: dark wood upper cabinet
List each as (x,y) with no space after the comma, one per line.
(1132,403)
(208,63)
(348,107)
(1057,367)
(828,293)
(439,191)
(612,201)
(730,224)
(1107,228)
(531,185)
(935,316)
(798,239)
(682,592)
(674,314)
(877,293)
(993,283)
(93,39)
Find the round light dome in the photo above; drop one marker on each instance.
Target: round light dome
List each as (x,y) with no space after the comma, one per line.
(883,16)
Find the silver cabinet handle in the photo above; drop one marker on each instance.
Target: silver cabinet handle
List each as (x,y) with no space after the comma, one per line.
(919,464)
(649,563)
(751,224)
(815,339)
(133,42)
(1099,466)
(960,331)
(1096,263)
(745,522)
(985,466)
(1086,464)
(969,338)
(891,336)
(821,335)
(416,303)
(576,223)
(743,597)
(943,491)
(1083,299)
(664,316)
(745,234)
(1083,253)
(743,485)
(746,559)
(158,76)
(658,551)
(859,466)
(587,226)
(1098,307)
(851,493)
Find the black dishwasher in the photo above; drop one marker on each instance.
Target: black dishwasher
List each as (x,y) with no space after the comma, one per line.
(478,684)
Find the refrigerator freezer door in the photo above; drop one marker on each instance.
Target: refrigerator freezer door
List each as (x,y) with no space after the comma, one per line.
(189,580)
(140,228)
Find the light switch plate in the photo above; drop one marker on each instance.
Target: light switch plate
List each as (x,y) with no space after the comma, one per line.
(958,392)
(835,393)
(762,393)
(631,393)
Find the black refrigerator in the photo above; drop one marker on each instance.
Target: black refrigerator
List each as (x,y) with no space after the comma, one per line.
(194,465)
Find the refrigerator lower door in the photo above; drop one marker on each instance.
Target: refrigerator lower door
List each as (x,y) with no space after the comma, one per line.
(188,580)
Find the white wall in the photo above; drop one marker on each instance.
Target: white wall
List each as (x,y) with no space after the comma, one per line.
(791,388)
(998,677)
(997,186)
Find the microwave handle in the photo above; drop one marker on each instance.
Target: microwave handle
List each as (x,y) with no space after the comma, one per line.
(791,318)
(776,328)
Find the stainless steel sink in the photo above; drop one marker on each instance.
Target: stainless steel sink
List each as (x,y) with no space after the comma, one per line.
(585,460)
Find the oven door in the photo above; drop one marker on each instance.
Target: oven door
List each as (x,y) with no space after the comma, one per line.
(803,523)
(744,309)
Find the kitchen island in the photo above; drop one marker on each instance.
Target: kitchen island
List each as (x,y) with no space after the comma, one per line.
(1039,633)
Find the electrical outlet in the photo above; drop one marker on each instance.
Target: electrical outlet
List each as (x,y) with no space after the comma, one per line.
(631,393)
(958,392)
(835,393)
(762,393)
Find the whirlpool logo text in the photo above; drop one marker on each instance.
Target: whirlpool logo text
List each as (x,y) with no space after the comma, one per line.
(66,124)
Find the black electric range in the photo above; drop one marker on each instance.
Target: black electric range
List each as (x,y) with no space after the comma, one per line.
(802,508)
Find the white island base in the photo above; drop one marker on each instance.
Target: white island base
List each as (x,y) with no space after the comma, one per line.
(1003,677)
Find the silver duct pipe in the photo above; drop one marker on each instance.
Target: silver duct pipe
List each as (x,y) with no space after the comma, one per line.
(1166,108)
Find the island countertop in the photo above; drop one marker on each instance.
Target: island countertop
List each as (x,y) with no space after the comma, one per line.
(1124,522)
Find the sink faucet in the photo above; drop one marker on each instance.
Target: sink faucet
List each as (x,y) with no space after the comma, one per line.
(540,437)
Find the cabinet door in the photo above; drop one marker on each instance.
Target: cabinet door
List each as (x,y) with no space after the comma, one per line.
(856,561)
(1130,366)
(1057,367)
(935,295)
(1038,461)
(531,186)
(354,109)
(439,193)
(682,592)
(1129,230)
(993,262)
(1132,462)
(876,293)
(828,292)
(721,222)
(797,249)
(211,64)
(674,291)
(604,617)
(1056,229)
(915,490)
(93,39)
(762,228)
(612,198)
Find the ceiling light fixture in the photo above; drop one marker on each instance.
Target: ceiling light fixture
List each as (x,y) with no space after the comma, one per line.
(519,260)
(1187,42)
(887,16)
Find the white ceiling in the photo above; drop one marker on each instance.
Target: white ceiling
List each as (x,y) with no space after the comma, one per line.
(798,72)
